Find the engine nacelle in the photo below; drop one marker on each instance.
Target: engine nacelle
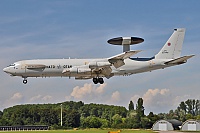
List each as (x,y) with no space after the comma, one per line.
(79,70)
(99,64)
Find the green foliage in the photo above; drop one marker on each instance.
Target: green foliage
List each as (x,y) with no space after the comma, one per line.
(131,106)
(140,108)
(152,119)
(94,122)
(198,117)
(191,106)
(117,119)
(1,114)
(78,114)
(75,114)
(71,118)
(87,131)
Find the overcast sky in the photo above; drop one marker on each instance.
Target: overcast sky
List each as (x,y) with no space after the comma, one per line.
(35,29)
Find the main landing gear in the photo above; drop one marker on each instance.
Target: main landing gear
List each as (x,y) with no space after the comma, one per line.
(25,81)
(98,80)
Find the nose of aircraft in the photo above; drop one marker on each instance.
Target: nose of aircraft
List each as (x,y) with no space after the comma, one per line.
(6,70)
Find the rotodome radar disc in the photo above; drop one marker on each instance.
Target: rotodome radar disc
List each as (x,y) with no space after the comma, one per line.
(125,40)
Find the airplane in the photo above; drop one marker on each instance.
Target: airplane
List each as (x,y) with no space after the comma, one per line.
(97,69)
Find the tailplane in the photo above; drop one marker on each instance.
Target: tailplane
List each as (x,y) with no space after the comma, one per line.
(172,48)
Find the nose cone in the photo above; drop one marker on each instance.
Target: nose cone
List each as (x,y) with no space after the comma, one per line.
(6,70)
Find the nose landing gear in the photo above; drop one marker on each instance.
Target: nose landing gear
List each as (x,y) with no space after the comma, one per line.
(25,81)
(98,80)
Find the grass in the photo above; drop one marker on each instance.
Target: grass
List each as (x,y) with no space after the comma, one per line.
(84,131)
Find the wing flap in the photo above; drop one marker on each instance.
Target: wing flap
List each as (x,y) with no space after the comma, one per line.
(180,60)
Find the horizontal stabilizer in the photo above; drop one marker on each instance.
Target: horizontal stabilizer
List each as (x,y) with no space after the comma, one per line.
(180,60)
(118,60)
(35,66)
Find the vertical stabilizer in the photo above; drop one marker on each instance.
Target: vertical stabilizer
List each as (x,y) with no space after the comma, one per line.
(172,48)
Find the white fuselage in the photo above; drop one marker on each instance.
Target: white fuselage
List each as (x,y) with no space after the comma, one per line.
(96,69)
(55,67)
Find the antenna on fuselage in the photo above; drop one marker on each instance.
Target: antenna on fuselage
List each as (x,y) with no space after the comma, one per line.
(125,42)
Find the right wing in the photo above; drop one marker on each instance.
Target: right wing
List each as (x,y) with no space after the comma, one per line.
(178,61)
(118,60)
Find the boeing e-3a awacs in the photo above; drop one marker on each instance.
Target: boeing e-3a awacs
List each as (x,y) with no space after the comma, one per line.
(97,69)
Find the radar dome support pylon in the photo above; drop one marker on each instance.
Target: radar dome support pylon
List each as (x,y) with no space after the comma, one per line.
(125,42)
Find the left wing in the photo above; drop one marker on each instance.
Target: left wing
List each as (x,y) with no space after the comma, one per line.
(99,67)
(118,60)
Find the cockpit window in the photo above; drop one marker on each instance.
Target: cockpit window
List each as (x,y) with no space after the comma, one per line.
(12,65)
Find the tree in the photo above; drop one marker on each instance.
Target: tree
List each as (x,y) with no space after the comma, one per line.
(104,123)
(1,114)
(94,122)
(71,118)
(139,111)
(131,106)
(117,119)
(191,106)
(140,108)
(75,114)
(183,107)
(152,119)
(145,122)
(4,122)
(189,116)
(198,117)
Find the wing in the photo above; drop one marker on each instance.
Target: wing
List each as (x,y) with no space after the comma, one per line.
(102,68)
(118,60)
(178,61)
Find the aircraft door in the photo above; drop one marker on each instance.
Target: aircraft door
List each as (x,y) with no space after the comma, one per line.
(23,67)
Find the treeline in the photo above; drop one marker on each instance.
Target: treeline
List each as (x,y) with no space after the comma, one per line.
(189,109)
(75,114)
(80,115)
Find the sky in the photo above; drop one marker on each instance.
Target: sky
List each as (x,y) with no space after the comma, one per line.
(47,29)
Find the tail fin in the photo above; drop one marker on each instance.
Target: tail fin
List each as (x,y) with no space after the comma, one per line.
(172,48)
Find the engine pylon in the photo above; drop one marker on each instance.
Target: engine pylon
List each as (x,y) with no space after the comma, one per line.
(125,42)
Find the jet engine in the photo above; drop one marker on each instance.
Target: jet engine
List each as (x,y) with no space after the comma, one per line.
(80,70)
(99,64)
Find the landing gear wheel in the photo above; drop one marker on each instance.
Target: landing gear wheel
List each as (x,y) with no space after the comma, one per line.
(95,80)
(25,81)
(101,80)
(98,80)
